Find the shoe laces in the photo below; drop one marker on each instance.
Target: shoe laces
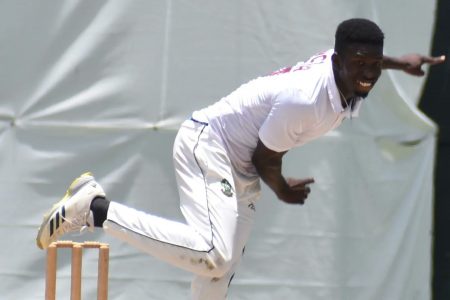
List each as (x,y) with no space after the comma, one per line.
(79,223)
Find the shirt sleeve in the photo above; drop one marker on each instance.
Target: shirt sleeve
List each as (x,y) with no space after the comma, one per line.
(291,115)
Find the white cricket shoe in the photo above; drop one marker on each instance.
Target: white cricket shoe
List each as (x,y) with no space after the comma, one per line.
(72,213)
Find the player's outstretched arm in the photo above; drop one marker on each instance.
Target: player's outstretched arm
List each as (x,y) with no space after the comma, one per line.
(268,166)
(411,63)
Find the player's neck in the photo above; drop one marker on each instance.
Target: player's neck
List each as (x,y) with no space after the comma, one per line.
(343,93)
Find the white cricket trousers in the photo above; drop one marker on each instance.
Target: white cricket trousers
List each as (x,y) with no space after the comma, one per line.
(217,203)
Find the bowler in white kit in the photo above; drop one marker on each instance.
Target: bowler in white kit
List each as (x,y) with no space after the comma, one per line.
(221,153)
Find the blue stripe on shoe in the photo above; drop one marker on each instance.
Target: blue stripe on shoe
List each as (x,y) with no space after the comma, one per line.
(63,214)
(51,227)
(57,221)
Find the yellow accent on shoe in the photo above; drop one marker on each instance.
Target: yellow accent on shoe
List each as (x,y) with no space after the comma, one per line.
(69,193)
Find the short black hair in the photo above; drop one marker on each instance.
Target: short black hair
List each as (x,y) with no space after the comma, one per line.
(357,31)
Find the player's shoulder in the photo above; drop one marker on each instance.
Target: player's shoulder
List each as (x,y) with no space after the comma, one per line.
(315,62)
(296,98)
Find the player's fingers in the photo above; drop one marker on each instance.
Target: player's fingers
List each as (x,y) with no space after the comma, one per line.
(300,187)
(299,183)
(419,72)
(434,60)
(307,181)
(416,71)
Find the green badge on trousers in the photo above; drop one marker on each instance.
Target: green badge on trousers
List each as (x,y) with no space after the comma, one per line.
(226,188)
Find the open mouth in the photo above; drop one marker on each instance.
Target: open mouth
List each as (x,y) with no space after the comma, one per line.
(365,84)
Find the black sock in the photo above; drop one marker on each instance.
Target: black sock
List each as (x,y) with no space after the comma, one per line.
(99,207)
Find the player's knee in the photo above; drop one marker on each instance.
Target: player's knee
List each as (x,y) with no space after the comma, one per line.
(221,268)
(218,264)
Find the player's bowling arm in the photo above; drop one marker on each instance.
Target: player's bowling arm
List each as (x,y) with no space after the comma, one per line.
(268,164)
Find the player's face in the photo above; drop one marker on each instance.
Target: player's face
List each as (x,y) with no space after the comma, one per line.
(359,68)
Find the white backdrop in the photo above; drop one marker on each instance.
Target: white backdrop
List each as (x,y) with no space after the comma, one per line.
(103,85)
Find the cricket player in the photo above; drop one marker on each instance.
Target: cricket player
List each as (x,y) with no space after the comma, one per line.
(221,153)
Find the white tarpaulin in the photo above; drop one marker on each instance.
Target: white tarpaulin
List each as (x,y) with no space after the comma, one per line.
(103,85)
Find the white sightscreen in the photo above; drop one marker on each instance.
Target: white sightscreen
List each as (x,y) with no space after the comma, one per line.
(103,85)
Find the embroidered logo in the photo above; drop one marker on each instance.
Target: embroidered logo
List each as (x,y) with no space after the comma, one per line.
(226,188)
(252,206)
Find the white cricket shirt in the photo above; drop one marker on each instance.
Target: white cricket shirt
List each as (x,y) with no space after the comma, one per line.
(285,110)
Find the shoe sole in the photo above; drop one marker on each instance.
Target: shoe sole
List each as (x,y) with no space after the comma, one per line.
(74,187)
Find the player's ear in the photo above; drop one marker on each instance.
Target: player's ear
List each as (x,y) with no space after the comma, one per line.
(335,58)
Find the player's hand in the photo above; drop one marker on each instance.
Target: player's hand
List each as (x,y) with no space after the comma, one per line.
(413,63)
(297,192)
